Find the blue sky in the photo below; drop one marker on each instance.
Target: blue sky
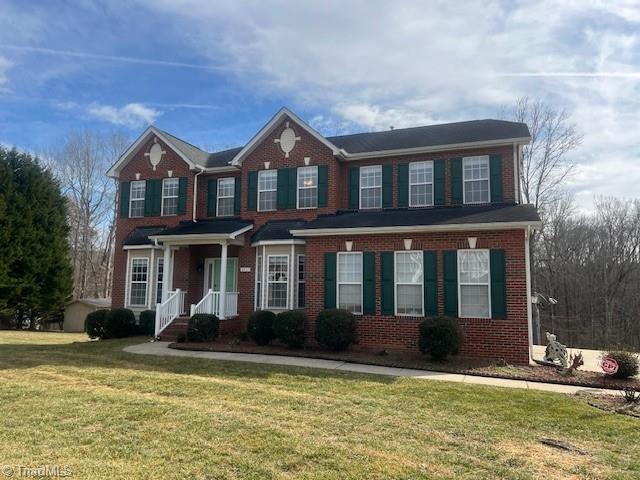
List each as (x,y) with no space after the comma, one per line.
(214,72)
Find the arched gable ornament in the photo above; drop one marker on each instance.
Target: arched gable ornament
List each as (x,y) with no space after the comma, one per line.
(155,153)
(287,140)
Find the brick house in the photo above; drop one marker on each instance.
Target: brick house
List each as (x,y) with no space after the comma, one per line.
(393,226)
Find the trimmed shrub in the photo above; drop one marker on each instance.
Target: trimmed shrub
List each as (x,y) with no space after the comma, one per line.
(335,329)
(181,338)
(260,326)
(94,323)
(289,328)
(627,363)
(439,337)
(120,323)
(203,327)
(147,322)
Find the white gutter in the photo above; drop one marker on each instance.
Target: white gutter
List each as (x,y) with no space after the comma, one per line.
(195,194)
(456,227)
(290,241)
(201,236)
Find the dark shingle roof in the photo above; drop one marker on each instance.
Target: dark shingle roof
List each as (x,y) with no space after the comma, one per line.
(221,226)
(430,216)
(431,135)
(277,230)
(199,156)
(223,158)
(140,235)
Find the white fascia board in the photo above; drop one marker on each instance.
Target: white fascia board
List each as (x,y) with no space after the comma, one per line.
(126,156)
(436,148)
(141,247)
(230,168)
(290,241)
(322,232)
(268,128)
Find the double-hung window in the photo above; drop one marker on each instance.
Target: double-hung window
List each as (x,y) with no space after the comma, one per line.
(371,186)
(420,184)
(277,281)
(267,190)
(136,200)
(409,283)
(308,187)
(475,174)
(139,280)
(350,281)
(301,282)
(159,279)
(169,196)
(473,284)
(226,194)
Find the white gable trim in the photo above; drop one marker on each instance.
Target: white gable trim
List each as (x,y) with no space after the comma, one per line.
(271,125)
(114,171)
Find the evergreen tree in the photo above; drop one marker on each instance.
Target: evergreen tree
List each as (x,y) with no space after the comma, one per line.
(35,272)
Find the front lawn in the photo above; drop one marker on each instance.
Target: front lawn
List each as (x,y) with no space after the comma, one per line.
(109,414)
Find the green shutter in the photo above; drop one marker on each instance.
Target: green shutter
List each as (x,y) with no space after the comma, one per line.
(498,284)
(124,199)
(152,198)
(456,181)
(495,169)
(450,283)
(330,280)
(323,185)
(212,197)
(292,188)
(387,284)
(252,191)
(403,185)
(430,284)
(283,188)
(182,196)
(369,283)
(438,182)
(237,190)
(354,188)
(387,186)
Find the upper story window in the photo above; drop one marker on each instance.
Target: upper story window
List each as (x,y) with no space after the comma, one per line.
(409,283)
(350,281)
(136,202)
(169,196)
(421,184)
(308,187)
(475,174)
(267,190)
(473,284)
(226,194)
(371,186)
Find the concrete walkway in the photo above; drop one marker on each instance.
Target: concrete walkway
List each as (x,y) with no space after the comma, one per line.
(161,348)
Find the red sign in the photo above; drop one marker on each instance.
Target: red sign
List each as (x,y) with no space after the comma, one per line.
(609,365)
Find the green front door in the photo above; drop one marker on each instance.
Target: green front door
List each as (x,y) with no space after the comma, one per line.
(212,274)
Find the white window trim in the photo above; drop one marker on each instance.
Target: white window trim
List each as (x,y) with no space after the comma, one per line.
(395,284)
(130,283)
(279,282)
(258,280)
(131,199)
(361,282)
(298,282)
(298,187)
(270,190)
(369,188)
(176,196)
(158,283)
(218,196)
(429,162)
(460,283)
(488,179)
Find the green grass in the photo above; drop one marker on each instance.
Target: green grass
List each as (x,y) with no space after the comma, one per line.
(109,414)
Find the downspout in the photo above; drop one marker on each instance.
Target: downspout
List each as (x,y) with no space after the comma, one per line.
(527,261)
(195,194)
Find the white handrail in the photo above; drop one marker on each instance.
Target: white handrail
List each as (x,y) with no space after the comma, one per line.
(166,312)
(210,303)
(205,305)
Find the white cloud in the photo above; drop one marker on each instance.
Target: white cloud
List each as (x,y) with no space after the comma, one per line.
(131,115)
(5,65)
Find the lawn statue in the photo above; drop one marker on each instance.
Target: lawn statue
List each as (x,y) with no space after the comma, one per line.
(555,352)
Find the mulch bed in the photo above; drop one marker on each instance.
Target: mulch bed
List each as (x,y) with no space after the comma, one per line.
(465,366)
(611,403)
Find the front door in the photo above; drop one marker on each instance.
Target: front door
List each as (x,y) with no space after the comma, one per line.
(212,274)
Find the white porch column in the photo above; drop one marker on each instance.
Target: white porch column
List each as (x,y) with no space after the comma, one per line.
(223,280)
(167,273)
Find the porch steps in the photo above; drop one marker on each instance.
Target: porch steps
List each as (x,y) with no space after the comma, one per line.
(175,328)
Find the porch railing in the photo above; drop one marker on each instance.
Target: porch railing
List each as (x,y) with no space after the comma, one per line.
(171,308)
(210,303)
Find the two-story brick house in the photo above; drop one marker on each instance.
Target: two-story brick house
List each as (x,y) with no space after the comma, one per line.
(393,226)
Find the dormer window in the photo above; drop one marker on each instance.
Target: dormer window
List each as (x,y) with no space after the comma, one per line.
(475,174)
(371,187)
(136,202)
